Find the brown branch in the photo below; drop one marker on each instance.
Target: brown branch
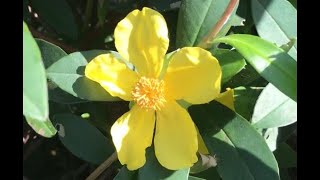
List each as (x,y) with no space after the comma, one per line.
(204,43)
(65,47)
(96,173)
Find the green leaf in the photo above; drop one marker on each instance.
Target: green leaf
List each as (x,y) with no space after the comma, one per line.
(276,136)
(271,24)
(125,174)
(35,94)
(57,14)
(68,74)
(50,54)
(270,61)
(152,170)
(44,128)
(286,156)
(273,109)
(238,147)
(197,19)
(244,100)
(231,63)
(209,174)
(194,178)
(82,139)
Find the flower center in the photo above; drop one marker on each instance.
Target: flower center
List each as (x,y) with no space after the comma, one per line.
(149,93)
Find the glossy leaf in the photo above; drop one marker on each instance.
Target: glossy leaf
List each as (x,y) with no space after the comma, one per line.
(271,24)
(286,156)
(270,61)
(44,128)
(237,146)
(152,170)
(275,136)
(82,139)
(231,63)
(273,109)
(68,74)
(197,19)
(209,174)
(50,54)
(244,100)
(35,94)
(125,174)
(194,178)
(164,5)
(57,14)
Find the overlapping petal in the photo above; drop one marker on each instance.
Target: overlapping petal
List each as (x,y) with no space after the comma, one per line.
(227,98)
(142,38)
(131,134)
(175,138)
(193,75)
(113,75)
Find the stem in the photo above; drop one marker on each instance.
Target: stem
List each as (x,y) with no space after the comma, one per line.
(88,14)
(96,173)
(205,42)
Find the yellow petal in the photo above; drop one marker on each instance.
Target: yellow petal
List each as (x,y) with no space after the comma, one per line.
(202,148)
(142,38)
(131,134)
(113,75)
(227,98)
(194,75)
(175,139)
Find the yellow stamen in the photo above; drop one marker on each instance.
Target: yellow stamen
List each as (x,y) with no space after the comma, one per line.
(149,93)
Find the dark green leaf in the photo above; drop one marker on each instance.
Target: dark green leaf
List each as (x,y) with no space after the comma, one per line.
(238,147)
(286,156)
(271,24)
(271,62)
(245,99)
(197,19)
(57,14)
(194,178)
(68,74)
(209,174)
(273,109)
(35,94)
(231,63)
(50,54)
(152,170)
(125,174)
(82,139)
(276,136)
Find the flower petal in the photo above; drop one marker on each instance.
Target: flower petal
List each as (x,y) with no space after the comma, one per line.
(113,75)
(131,134)
(202,148)
(227,98)
(142,38)
(175,139)
(194,75)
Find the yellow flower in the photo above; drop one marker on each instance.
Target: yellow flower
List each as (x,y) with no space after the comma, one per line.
(193,75)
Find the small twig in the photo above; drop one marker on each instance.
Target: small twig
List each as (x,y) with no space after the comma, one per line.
(204,43)
(102,167)
(65,47)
